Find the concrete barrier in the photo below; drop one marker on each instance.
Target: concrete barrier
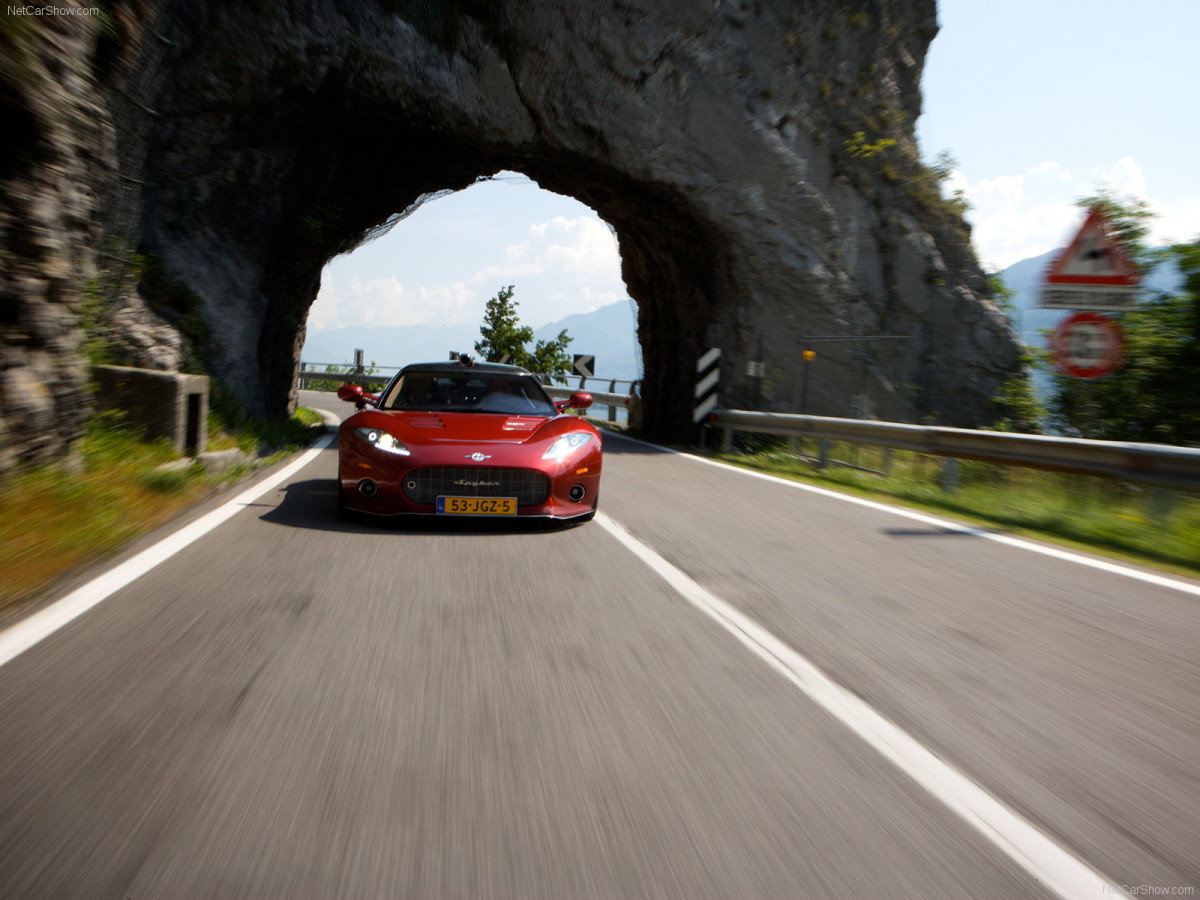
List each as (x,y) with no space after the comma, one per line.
(167,405)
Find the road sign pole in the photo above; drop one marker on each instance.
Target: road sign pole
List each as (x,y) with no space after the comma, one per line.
(758,370)
(809,356)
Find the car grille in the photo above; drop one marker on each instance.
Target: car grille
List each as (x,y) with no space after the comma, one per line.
(426,485)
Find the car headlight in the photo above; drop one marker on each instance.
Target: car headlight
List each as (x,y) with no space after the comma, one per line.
(381,440)
(566,445)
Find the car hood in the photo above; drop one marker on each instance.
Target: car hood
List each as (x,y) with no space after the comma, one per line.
(449,427)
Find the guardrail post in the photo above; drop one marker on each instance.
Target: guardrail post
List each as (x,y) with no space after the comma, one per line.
(949,479)
(823,455)
(1159,504)
(727,440)
(886,463)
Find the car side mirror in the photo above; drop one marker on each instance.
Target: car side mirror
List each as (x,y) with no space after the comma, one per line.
(578,400)
(351,393)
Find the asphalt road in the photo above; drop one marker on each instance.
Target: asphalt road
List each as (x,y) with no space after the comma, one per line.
(296,706)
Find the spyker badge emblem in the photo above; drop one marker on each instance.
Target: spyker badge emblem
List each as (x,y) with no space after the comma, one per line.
(478,457)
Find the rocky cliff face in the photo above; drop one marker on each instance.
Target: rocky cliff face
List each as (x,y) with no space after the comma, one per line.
(57,148)
(756,158)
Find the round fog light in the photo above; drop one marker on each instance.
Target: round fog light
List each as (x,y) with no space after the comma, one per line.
(368,488)
(577,492)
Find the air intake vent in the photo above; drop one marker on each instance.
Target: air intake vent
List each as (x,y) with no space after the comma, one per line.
(426,485)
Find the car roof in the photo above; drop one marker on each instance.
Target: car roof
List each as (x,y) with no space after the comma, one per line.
(459,368)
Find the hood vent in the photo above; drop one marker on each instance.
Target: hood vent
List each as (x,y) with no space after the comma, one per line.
(522,424)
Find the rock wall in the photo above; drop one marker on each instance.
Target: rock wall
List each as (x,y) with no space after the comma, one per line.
(57,149)
(756,158)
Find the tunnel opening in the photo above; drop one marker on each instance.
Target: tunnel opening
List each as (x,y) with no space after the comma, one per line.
(418,286)
(667,258)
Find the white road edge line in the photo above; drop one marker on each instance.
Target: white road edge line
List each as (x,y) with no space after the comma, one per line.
(1050,864)
(957,527)
(20,637)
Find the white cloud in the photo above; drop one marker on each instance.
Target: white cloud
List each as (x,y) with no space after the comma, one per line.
(1177,222)
(515,252)
(1006,226)
(507,272)
(1007,191)
(386,302)
(575,257)
(1019,216)
(1051,168)
(1125,178)
(585,247)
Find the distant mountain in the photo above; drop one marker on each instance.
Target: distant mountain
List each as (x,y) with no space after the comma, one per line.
(389,347)
(608,333)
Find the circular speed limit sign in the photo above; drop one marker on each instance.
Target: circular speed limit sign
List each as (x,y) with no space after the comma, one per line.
(1088,345)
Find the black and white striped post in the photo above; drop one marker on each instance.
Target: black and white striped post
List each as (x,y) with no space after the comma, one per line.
(708,378)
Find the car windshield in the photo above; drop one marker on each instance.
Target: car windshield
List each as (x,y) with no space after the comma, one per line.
(483,392)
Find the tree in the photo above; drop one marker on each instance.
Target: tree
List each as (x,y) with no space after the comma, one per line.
(502,334)
(1020,408)
(944,165)
(1002,294)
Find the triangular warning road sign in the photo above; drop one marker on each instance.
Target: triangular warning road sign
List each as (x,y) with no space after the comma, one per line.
(1093,257)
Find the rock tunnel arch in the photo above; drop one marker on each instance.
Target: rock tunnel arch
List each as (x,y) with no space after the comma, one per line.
(711,138)
(666,263)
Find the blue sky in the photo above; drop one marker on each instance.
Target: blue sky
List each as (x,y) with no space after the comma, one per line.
(1038,101)
(1042,101)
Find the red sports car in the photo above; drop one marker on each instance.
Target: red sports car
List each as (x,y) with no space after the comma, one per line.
(467,439)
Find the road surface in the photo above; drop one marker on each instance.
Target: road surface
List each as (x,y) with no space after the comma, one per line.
(293,706)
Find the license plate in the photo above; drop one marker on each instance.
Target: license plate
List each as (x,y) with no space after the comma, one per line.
(477,506)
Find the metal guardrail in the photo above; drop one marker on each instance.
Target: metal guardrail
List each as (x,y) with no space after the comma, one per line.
(1154,464)
(609,398)
(342,378)
(600,398)
(310,372)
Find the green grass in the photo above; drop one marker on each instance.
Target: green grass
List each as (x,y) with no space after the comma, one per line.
(58,517)
(1152,527)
